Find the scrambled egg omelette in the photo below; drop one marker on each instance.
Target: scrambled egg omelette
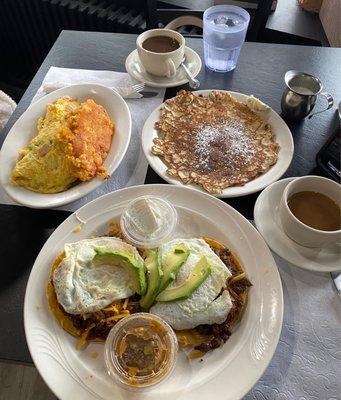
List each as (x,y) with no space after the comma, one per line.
(72,143)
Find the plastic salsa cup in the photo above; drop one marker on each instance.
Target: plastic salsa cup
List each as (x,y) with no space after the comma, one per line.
(140,351)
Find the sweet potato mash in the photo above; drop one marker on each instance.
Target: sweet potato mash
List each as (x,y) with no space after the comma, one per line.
(72,143)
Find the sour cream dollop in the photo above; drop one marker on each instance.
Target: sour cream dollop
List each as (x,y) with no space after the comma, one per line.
(148,220)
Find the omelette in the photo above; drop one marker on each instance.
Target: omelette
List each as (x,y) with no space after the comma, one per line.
(72,143)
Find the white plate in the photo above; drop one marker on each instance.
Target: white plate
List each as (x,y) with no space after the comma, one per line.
(268,223)
(26,127)
(228,372)
(280,129)
(137,70)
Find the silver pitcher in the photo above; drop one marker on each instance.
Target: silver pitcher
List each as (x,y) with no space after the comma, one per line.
(300,95)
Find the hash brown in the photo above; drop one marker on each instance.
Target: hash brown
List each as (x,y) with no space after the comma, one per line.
(214,141)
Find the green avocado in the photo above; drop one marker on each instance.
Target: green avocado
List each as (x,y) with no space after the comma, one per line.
(173,262)
(154,275)
(198,275)
(132,265)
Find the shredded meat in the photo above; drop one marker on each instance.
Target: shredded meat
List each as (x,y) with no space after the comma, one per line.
(240,286)
(219,333)
(99,318)
(226,257)
(101,330)
(81,323)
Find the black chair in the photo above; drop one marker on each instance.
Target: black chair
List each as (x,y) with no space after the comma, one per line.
(28,28)
(160,13)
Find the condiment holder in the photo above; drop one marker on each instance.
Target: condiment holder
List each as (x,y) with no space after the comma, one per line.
(140,351)
(300,95)
(147,221)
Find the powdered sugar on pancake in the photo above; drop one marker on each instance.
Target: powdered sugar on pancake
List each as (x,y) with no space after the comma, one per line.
(214,141)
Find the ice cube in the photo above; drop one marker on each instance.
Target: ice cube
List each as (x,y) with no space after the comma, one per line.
(222,20)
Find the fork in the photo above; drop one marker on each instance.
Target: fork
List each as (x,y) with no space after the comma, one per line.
(130,91)
(124,91)
(138,87)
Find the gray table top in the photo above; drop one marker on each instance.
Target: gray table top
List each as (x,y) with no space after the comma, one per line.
(259,72)
(289,17)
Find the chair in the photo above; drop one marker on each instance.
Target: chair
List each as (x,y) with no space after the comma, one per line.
(28,28)
(162,13)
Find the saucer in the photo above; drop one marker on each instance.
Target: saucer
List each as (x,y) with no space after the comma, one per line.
(137,71)
(268,223)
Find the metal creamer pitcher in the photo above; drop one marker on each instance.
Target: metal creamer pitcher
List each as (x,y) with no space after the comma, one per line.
(300,95)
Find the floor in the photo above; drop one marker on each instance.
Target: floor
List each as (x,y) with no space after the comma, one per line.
(21,382)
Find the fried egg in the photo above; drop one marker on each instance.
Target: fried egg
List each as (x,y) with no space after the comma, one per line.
(82,287)
(209,303)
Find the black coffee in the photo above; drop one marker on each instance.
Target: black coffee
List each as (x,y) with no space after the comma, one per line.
(160,44)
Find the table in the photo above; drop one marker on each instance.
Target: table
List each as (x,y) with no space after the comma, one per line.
(290,21)
(260,72)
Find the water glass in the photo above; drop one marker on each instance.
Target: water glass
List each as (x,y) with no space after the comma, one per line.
(225,29)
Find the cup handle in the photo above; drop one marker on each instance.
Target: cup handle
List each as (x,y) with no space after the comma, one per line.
(171,70)
(330,101)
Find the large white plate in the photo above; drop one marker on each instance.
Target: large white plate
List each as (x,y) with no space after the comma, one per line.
(26,127)
(228,372)
(280,129)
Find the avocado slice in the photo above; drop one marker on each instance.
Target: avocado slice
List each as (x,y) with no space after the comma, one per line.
(132,265)
(154,276)
(197,276)
(173,262)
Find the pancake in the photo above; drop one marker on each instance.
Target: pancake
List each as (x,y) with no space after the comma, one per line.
(214,141)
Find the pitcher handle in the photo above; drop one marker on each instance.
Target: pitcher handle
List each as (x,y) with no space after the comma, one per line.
(330,101)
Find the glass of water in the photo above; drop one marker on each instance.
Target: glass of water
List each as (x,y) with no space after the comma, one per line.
(225,29)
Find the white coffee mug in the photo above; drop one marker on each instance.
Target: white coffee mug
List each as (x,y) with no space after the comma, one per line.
(161,64)
(297,230)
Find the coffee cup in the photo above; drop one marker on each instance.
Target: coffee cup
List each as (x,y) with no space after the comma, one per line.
(157,62)
(298,231)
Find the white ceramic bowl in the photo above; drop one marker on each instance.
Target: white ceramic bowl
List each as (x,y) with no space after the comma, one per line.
(297,230)
(26,127)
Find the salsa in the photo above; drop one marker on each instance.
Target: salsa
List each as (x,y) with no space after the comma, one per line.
(141,350)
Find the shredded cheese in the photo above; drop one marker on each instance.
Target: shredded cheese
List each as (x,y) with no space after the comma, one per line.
(117,317)
(82,340)
(237,278)
(195,354)
(77,229)
(111,308)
